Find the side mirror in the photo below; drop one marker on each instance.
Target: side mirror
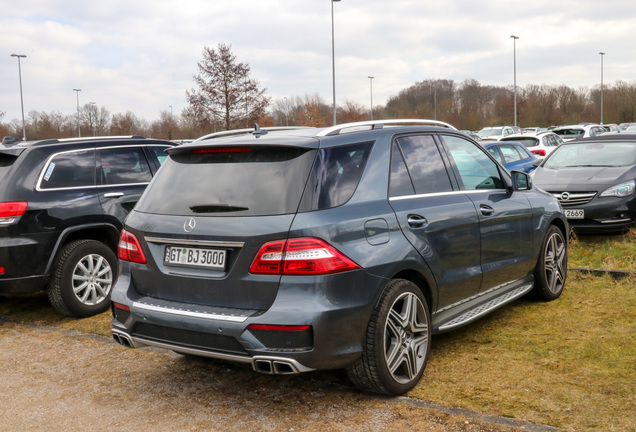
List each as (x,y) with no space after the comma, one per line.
(521,181)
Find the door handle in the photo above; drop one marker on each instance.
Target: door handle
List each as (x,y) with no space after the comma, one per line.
(113,194)
(486,210)
(417,221)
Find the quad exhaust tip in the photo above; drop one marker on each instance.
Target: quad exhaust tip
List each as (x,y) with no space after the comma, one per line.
(123,339)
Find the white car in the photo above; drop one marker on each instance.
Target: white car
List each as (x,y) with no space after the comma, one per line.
(495,133)
(571,132)
(540,143)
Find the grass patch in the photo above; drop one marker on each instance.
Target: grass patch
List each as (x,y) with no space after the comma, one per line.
(610,252)
(567,363)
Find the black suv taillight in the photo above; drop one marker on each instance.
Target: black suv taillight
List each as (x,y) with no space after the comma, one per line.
(11,211)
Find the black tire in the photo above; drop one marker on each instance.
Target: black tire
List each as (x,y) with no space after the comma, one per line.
(83,279)
(397,342)
(552,266)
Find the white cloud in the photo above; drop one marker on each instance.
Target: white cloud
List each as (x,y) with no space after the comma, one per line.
(140,55)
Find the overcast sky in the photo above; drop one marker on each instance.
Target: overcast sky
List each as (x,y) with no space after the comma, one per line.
(141,55)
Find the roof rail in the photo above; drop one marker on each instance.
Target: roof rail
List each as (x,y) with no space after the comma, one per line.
(88,138)
(379,124)
(247,131)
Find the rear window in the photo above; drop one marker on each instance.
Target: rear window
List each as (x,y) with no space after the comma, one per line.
(257,181)
(527,142)
(229,182)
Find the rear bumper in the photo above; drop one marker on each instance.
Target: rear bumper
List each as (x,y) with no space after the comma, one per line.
(332,340)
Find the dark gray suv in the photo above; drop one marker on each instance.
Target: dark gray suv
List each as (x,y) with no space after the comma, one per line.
(345,247)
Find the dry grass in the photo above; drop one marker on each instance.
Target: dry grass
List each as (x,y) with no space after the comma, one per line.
(568,363)
(610,252)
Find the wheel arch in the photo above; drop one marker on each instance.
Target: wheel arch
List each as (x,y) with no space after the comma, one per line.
(103,232)
(422,282)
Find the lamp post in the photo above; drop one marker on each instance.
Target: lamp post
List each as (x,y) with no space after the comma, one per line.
(514,50)
(286,117)
(435,101)
(79,133)
(19,56)
(602,54)
(371,86)
(333,62)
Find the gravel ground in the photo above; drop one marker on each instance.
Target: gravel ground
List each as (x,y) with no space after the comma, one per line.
(60,380)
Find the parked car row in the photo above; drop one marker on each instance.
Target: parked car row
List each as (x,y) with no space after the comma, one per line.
(300,249)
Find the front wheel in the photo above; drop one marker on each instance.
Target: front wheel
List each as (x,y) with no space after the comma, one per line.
(551,270)
(397,342)
(83,279)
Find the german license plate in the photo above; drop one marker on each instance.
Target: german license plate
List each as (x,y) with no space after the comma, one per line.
(575,214)
(195,257)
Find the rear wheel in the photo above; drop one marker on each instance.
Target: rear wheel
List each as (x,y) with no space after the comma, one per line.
(551,270)
(83,279)
(397,342)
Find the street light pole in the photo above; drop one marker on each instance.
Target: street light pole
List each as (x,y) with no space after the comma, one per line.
(19,56)
(79,133)
(435,101)
(602,54)
(371,85)
(514,48)
(333,62)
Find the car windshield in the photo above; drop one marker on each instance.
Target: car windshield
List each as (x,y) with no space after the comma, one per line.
(593,154)
(569,133)
(490,132)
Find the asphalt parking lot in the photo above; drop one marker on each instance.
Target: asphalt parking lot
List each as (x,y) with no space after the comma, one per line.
(56,379)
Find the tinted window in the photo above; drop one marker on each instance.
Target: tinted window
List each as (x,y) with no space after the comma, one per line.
(335,176)
(475,169)
(400,182)
(68,170)
(229,182)
(424,164)
(124,166)
(6,161)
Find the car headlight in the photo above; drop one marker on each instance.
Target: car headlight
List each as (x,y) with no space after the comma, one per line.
(620,190)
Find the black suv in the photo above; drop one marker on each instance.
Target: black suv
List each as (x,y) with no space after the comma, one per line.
(62,206)
(345,247)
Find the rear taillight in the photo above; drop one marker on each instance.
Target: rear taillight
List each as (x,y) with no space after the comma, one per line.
(129,248)
(539,152)
(300,256)
(11,211)
(1,270)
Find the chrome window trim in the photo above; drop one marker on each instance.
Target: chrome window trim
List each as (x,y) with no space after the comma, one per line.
(39,187)
(458,192)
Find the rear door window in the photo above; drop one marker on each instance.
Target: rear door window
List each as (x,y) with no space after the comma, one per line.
(424,164)
(69,170)
(124,165)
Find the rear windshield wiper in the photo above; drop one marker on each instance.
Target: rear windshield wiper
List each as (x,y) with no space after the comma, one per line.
(216,208)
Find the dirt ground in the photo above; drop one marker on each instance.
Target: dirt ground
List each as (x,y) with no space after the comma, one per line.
(61,380)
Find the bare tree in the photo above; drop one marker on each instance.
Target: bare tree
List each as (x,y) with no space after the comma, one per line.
(226,93)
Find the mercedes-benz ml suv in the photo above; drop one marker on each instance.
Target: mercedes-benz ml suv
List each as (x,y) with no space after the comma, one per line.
(62,206)
(345,247)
